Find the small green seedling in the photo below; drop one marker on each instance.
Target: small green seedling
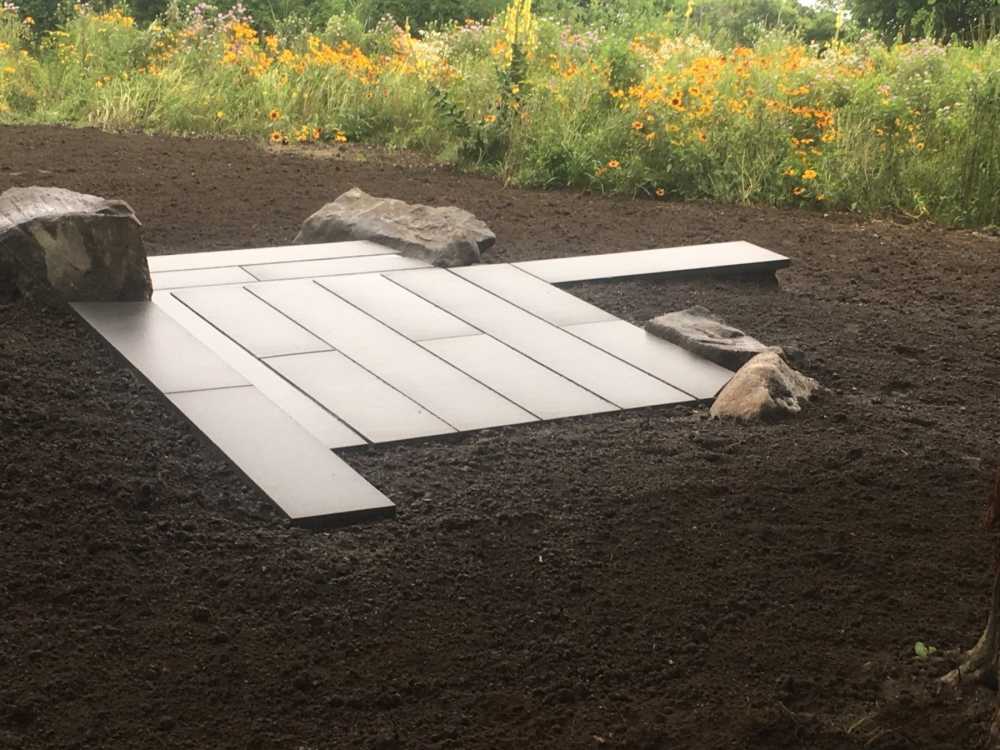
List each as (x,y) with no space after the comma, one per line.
(922,650)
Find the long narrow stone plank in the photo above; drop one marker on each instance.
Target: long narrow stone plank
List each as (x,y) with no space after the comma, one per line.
(259,328)
(323,425)
(200,277)
(250,256)
(586,365)
(445,391)
(720,256)
(532,294)
(306,480)
(401,310)
(679,367)
(159,347)
(376,410)
(335,267)
(524,381)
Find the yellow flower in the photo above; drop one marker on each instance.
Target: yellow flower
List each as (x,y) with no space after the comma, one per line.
(515,89)
(340,137)
(276,137)
(920,146)
(799,190)
(809,174)
(488,119)
(637,125)
(274,115)
(701,136)
(614,164)
(28,20)
(220,115)
(317,134)
(660,192)
(791,172)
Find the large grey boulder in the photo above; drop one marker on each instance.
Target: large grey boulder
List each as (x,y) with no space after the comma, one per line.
(765,387)
(59,245)
(446,236)
(700,331)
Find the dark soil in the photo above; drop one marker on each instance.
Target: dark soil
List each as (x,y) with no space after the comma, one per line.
(649,579)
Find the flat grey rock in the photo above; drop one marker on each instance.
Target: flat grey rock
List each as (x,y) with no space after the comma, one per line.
(200,277)
(307,481)
(765,387)
(307,269)
(158,346)
(671,364)
(399,308)
(716,257)
(532,294)
(701,332)
(447,392)
(319,422)
(445,236)
(59,245)
(538,389)
(250,322)
(254,255)
(369,405)
(599,372)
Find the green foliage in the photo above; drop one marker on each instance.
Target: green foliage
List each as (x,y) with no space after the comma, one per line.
(674,106)
(940,19)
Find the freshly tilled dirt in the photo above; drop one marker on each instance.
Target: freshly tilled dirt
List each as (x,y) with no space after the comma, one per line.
(648,579)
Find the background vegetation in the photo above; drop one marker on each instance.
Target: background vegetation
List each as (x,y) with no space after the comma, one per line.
(758,101)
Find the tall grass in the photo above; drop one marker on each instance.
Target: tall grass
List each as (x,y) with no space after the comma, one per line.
(658,111)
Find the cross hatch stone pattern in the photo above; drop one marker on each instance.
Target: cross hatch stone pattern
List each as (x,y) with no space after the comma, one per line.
(282,355)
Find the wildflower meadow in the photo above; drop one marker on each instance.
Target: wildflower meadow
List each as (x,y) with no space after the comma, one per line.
(662,111)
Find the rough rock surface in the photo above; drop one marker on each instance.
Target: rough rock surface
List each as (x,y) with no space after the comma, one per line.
(446,236)
(56,244)
(700,331)
(765,387)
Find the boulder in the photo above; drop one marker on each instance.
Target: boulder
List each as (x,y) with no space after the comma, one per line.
(59,245)
(765,387)
(699,331)
(446,236)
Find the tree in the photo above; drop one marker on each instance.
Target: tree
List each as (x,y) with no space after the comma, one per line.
(934,18)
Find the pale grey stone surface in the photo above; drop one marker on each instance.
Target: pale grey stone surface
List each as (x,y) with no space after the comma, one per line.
(446,236)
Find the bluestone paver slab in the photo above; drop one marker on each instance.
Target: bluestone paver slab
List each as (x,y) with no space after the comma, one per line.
(538,389)
(199,277)
(594,369)
(720,256)
(223,258)
(323,425)
(373,408)
(445,391)
(679,367)
(532,294)
(333,267)
(401,310)
(307,481)
(253,324)
(158,346)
